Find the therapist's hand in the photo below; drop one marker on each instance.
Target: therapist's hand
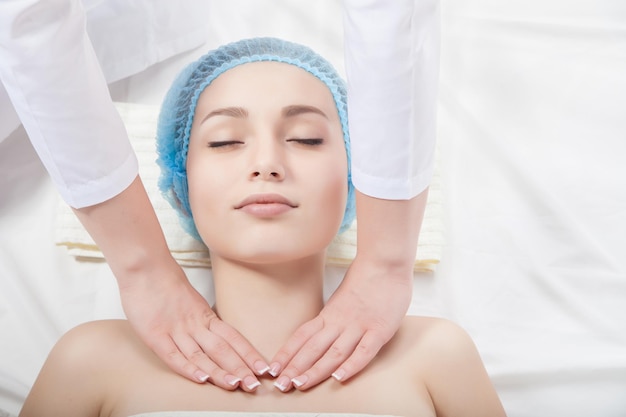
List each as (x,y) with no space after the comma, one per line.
(360,317)
(179,326)
(368,307)
(164,309)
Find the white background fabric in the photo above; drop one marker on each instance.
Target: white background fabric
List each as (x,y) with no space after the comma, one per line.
(531,130)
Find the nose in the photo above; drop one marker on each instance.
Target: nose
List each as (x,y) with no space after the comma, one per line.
(267,164)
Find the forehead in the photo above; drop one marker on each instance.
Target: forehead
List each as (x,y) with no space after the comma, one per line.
(265,83)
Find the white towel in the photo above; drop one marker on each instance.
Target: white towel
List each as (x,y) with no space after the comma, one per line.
(141,122)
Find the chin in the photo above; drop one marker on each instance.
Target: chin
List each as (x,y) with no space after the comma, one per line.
(269,251)
(271,245)
(270,256)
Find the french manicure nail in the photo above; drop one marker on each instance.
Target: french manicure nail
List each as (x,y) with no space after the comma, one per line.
(261,367)
(201,376)
(339,374)
(300,380)
(282,383)
(232,380)
(251,382)
(280,387)
(274,369)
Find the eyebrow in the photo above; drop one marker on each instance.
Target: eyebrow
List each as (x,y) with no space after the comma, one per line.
(237,112)
(241,113)
(298,109)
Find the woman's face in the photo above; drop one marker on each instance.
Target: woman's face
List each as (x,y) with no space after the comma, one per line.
(267,165)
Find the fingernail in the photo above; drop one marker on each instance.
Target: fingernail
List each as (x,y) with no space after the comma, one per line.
(251,382)
(300,380)
(201,376)
(274,369)
(261,367)
(282,383)
(339,374)
(232,380)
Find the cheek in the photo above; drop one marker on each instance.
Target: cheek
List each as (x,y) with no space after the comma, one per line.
(339,186)
(332,187)
(204,185)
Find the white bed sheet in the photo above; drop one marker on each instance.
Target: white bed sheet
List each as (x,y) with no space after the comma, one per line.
(532,133)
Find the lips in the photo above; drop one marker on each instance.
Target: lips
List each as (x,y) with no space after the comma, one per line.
(266,205)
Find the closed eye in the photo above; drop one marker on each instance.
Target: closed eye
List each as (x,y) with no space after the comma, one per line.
(223,143)
(309,142)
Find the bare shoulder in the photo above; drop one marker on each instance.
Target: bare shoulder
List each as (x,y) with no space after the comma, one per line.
(431,324)
(435,335)
(425,344)
(103,338)
(76,375)
(436,343)
(437,330)
(97,331)
(103,348)
(447,360)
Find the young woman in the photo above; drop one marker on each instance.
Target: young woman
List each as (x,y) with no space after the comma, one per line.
(255,155)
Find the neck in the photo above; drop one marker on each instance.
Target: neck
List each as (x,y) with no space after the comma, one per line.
(267,303)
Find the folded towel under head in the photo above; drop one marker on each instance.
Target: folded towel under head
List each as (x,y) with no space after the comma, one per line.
(141,121)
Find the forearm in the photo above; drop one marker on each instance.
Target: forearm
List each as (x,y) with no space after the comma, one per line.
(129,215)
(388,231)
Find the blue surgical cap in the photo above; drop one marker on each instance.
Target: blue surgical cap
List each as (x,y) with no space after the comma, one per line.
(180,102)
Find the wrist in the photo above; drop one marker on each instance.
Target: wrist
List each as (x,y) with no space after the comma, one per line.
(128,233)
(388,231)
(139,267)
(382,271)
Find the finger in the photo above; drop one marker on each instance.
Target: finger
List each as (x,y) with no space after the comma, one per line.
(294,344)
(338,352)
(231,370)
(311,352)
(165,348)
(365,351)
(194,354)
(241,346)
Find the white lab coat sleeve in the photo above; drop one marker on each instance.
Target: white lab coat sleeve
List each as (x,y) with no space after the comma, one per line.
(392,66)
(53,78)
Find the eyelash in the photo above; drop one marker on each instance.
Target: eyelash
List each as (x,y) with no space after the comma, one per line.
(308,142)
(223,143)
